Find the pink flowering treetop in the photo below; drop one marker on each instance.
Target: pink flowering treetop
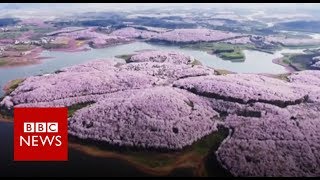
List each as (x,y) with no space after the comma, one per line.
(176,35)
(162,56)
(194,35)
(96,40)
(130,32)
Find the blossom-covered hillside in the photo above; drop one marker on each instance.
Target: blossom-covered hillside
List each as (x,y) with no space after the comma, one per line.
(272,123)
(161,99)
(178,35)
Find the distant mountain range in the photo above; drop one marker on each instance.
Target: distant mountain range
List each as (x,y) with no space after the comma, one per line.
(307,26)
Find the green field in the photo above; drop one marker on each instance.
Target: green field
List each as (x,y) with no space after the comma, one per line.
(72,109)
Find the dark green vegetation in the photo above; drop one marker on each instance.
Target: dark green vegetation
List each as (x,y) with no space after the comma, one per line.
(300,62)
(199,159)
(209,143)
(201,148)
(72,109)
(223,50)
(235,56)
(54,45)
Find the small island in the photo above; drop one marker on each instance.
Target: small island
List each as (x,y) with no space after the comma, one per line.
(225,51)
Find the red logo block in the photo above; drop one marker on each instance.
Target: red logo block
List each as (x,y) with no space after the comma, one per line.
(40,134)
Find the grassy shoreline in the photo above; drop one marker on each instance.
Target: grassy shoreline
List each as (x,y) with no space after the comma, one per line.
(280,61)
(12,85)
(297,62)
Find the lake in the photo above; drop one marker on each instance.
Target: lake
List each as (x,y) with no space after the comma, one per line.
(256,61)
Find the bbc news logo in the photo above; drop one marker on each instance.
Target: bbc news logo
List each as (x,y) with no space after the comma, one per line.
(40,134)
(30,127)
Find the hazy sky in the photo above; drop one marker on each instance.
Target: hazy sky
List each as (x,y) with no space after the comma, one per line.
(50,9)
(99,6)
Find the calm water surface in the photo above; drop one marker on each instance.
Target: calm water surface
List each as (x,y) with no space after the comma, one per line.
(256,62)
